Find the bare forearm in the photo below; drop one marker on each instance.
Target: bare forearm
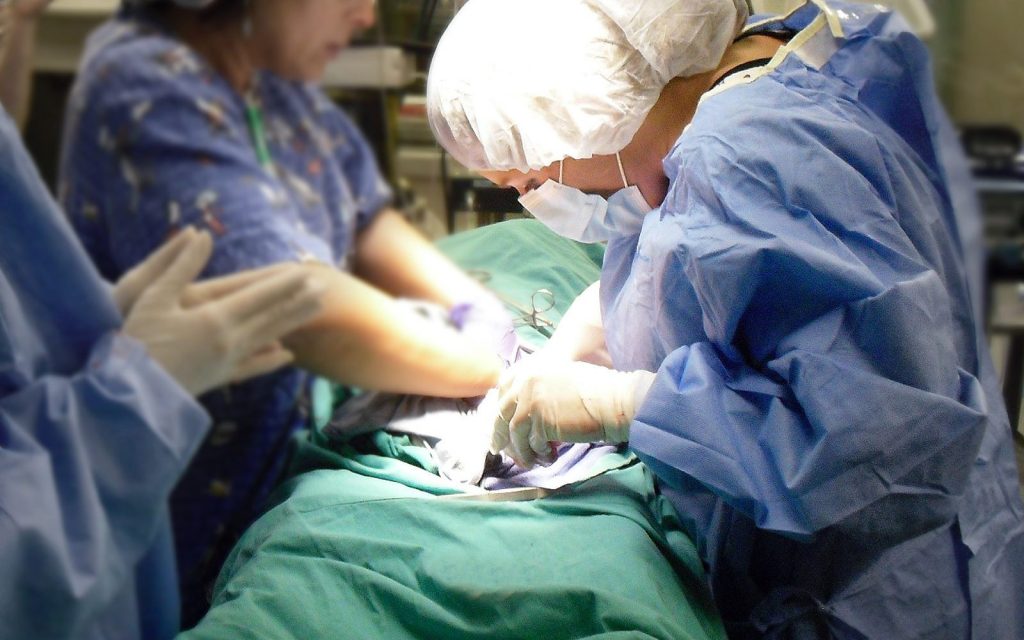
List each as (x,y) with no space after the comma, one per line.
(364,338)
(392,255)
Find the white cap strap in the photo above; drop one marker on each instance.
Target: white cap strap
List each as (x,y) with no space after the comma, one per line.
(622,173)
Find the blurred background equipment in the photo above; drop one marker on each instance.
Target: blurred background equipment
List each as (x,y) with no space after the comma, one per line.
(917,13)
(998,166)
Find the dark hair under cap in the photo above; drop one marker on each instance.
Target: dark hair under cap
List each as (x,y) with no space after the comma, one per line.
(218,11)
(224,11)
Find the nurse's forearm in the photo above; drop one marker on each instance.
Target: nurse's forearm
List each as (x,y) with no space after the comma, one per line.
(364,338)
(393,256)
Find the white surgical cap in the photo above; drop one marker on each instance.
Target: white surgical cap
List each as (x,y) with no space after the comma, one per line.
(520,84)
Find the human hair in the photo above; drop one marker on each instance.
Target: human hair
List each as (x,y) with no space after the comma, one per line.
(223,11)
(218,14)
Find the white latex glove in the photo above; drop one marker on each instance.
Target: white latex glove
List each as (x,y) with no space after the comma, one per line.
(209,334)
(545,400)
(132,283)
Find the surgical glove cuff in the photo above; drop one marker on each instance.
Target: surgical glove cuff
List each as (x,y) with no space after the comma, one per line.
(618,406)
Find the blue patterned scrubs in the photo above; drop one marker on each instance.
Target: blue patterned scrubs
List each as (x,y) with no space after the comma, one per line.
(156,140)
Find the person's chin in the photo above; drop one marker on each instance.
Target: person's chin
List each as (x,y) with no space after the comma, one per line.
(334,50)
(308,73)
(315,75)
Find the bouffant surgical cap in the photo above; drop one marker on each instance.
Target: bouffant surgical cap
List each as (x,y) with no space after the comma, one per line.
(520,84)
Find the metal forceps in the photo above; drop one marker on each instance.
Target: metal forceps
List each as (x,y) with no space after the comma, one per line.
(541,302)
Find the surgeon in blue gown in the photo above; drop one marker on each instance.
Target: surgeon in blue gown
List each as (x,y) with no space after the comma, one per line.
(98,417)
(789,299)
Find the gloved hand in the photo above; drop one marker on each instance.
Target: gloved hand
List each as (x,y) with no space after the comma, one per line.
(209,334)
(545,400)
(130,286)
(488,323)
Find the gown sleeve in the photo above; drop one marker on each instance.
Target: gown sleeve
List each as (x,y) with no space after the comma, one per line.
(87,462)
(831,387)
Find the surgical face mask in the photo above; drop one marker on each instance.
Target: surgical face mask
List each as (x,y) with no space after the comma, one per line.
(587,217)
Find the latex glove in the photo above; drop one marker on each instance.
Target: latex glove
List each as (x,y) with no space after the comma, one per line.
(130,286)
(209,334)
(488,323)
(135,281)
(544,400)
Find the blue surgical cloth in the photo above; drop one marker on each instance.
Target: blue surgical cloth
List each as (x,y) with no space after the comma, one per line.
(155,140)
(825,417)
(93,437)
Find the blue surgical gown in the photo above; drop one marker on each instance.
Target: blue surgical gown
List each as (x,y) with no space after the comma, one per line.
(825,417)
(93,436)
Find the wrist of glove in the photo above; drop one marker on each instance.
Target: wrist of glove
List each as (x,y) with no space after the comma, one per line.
(611,407)
(544,400)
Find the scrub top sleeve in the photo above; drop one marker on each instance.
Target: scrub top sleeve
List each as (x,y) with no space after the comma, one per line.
(171,152)
(828,388)
(87,463)
(369,188)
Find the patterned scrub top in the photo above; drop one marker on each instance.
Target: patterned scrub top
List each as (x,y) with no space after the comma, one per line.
(156,139)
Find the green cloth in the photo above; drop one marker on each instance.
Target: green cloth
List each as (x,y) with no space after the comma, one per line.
(352,556)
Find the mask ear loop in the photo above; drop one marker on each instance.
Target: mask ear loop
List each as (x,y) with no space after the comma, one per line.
(561,164)
(622,173)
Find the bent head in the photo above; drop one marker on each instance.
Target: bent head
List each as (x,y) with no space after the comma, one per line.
(516,95)
(511,87)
